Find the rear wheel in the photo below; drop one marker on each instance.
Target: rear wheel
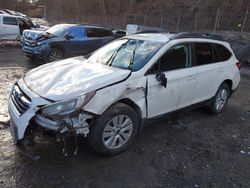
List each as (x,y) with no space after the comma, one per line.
(55,55)
(114,131)
(220,99)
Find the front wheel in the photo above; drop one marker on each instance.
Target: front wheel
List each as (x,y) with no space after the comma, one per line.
(220,99)
(114,131)
(31,58)
(55,55)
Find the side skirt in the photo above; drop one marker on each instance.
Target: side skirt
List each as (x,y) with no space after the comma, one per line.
(194,106)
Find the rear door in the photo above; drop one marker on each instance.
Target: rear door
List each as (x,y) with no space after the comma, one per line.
(9,28)
(175,64)
(210,71)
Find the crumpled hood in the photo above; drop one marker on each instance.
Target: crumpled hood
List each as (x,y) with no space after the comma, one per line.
(32,34)
(71,77)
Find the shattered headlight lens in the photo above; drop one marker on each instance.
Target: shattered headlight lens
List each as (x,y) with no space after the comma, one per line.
(67,107)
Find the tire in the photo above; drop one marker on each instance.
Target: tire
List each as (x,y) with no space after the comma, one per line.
(55,55)
(220,99)
(31,58)
(111,133)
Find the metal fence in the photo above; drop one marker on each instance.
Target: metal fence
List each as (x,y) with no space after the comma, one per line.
(171,20)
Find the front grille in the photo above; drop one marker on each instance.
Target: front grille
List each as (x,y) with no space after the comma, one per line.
(29,43)
(21,101)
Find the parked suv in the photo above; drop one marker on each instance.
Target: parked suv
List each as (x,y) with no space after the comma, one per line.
(108,96)
(65,40)
(12,26)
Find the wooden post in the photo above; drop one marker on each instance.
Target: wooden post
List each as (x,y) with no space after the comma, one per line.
(134,19)
(178,22)
(145,19)
(103,7)
(161,24)
(45,13)
(216,20)
(244,22)
(124,21)
(195,22)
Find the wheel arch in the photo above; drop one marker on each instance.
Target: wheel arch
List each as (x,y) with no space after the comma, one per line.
(137,109)
(58,47)
(230,85)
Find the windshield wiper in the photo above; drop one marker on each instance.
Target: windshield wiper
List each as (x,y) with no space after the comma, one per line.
(111,59)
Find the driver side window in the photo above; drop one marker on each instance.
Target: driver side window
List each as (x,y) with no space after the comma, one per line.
(177,57)
(77,33)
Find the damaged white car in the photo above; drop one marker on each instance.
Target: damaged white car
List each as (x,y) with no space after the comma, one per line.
(107,96)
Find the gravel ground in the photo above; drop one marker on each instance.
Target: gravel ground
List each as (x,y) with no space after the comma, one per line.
(188,149)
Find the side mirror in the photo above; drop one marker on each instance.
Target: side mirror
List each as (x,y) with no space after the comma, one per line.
(68,36)
(162,78)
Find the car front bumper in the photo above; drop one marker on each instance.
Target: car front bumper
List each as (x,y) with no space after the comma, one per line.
(40,52)
(19,122)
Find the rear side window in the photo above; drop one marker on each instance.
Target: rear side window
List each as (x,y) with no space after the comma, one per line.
(97,32)
(105,33)
(203,53)
(222,52)
(9,21)
(92,32)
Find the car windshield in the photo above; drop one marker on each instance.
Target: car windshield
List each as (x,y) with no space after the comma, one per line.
(58,30)
(126,53)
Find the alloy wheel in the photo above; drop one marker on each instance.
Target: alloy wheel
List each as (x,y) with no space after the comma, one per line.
(117,132)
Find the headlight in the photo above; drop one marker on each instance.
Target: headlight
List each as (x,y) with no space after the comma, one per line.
(67,107)
(40,43)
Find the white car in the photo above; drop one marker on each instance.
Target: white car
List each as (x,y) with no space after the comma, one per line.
(11,26)
(108,96)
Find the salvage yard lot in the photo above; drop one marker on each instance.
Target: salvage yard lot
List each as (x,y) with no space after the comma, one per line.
(188,149)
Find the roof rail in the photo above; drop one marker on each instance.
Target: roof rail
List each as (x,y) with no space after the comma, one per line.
(149,31)
(198,35)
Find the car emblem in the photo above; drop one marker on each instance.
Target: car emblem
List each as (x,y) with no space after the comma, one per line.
(17,95)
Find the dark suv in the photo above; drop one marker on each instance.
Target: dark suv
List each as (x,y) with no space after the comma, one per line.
(64,40)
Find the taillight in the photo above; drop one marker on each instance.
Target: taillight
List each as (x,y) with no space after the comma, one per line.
(238,64)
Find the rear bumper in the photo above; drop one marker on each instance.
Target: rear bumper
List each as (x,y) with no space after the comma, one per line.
(234,90)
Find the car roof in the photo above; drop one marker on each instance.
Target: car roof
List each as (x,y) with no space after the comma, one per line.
(156,37)
(85,26)
(13,16)
(94,26)
(166,37)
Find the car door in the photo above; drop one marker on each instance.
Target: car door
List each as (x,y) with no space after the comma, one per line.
(210,71)
(9,29)
(75,42)
(23,24)
(175,66)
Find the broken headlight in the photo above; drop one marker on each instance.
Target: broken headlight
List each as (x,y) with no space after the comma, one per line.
(67,107)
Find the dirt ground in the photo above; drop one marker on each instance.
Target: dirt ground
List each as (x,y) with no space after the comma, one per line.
(188,149)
